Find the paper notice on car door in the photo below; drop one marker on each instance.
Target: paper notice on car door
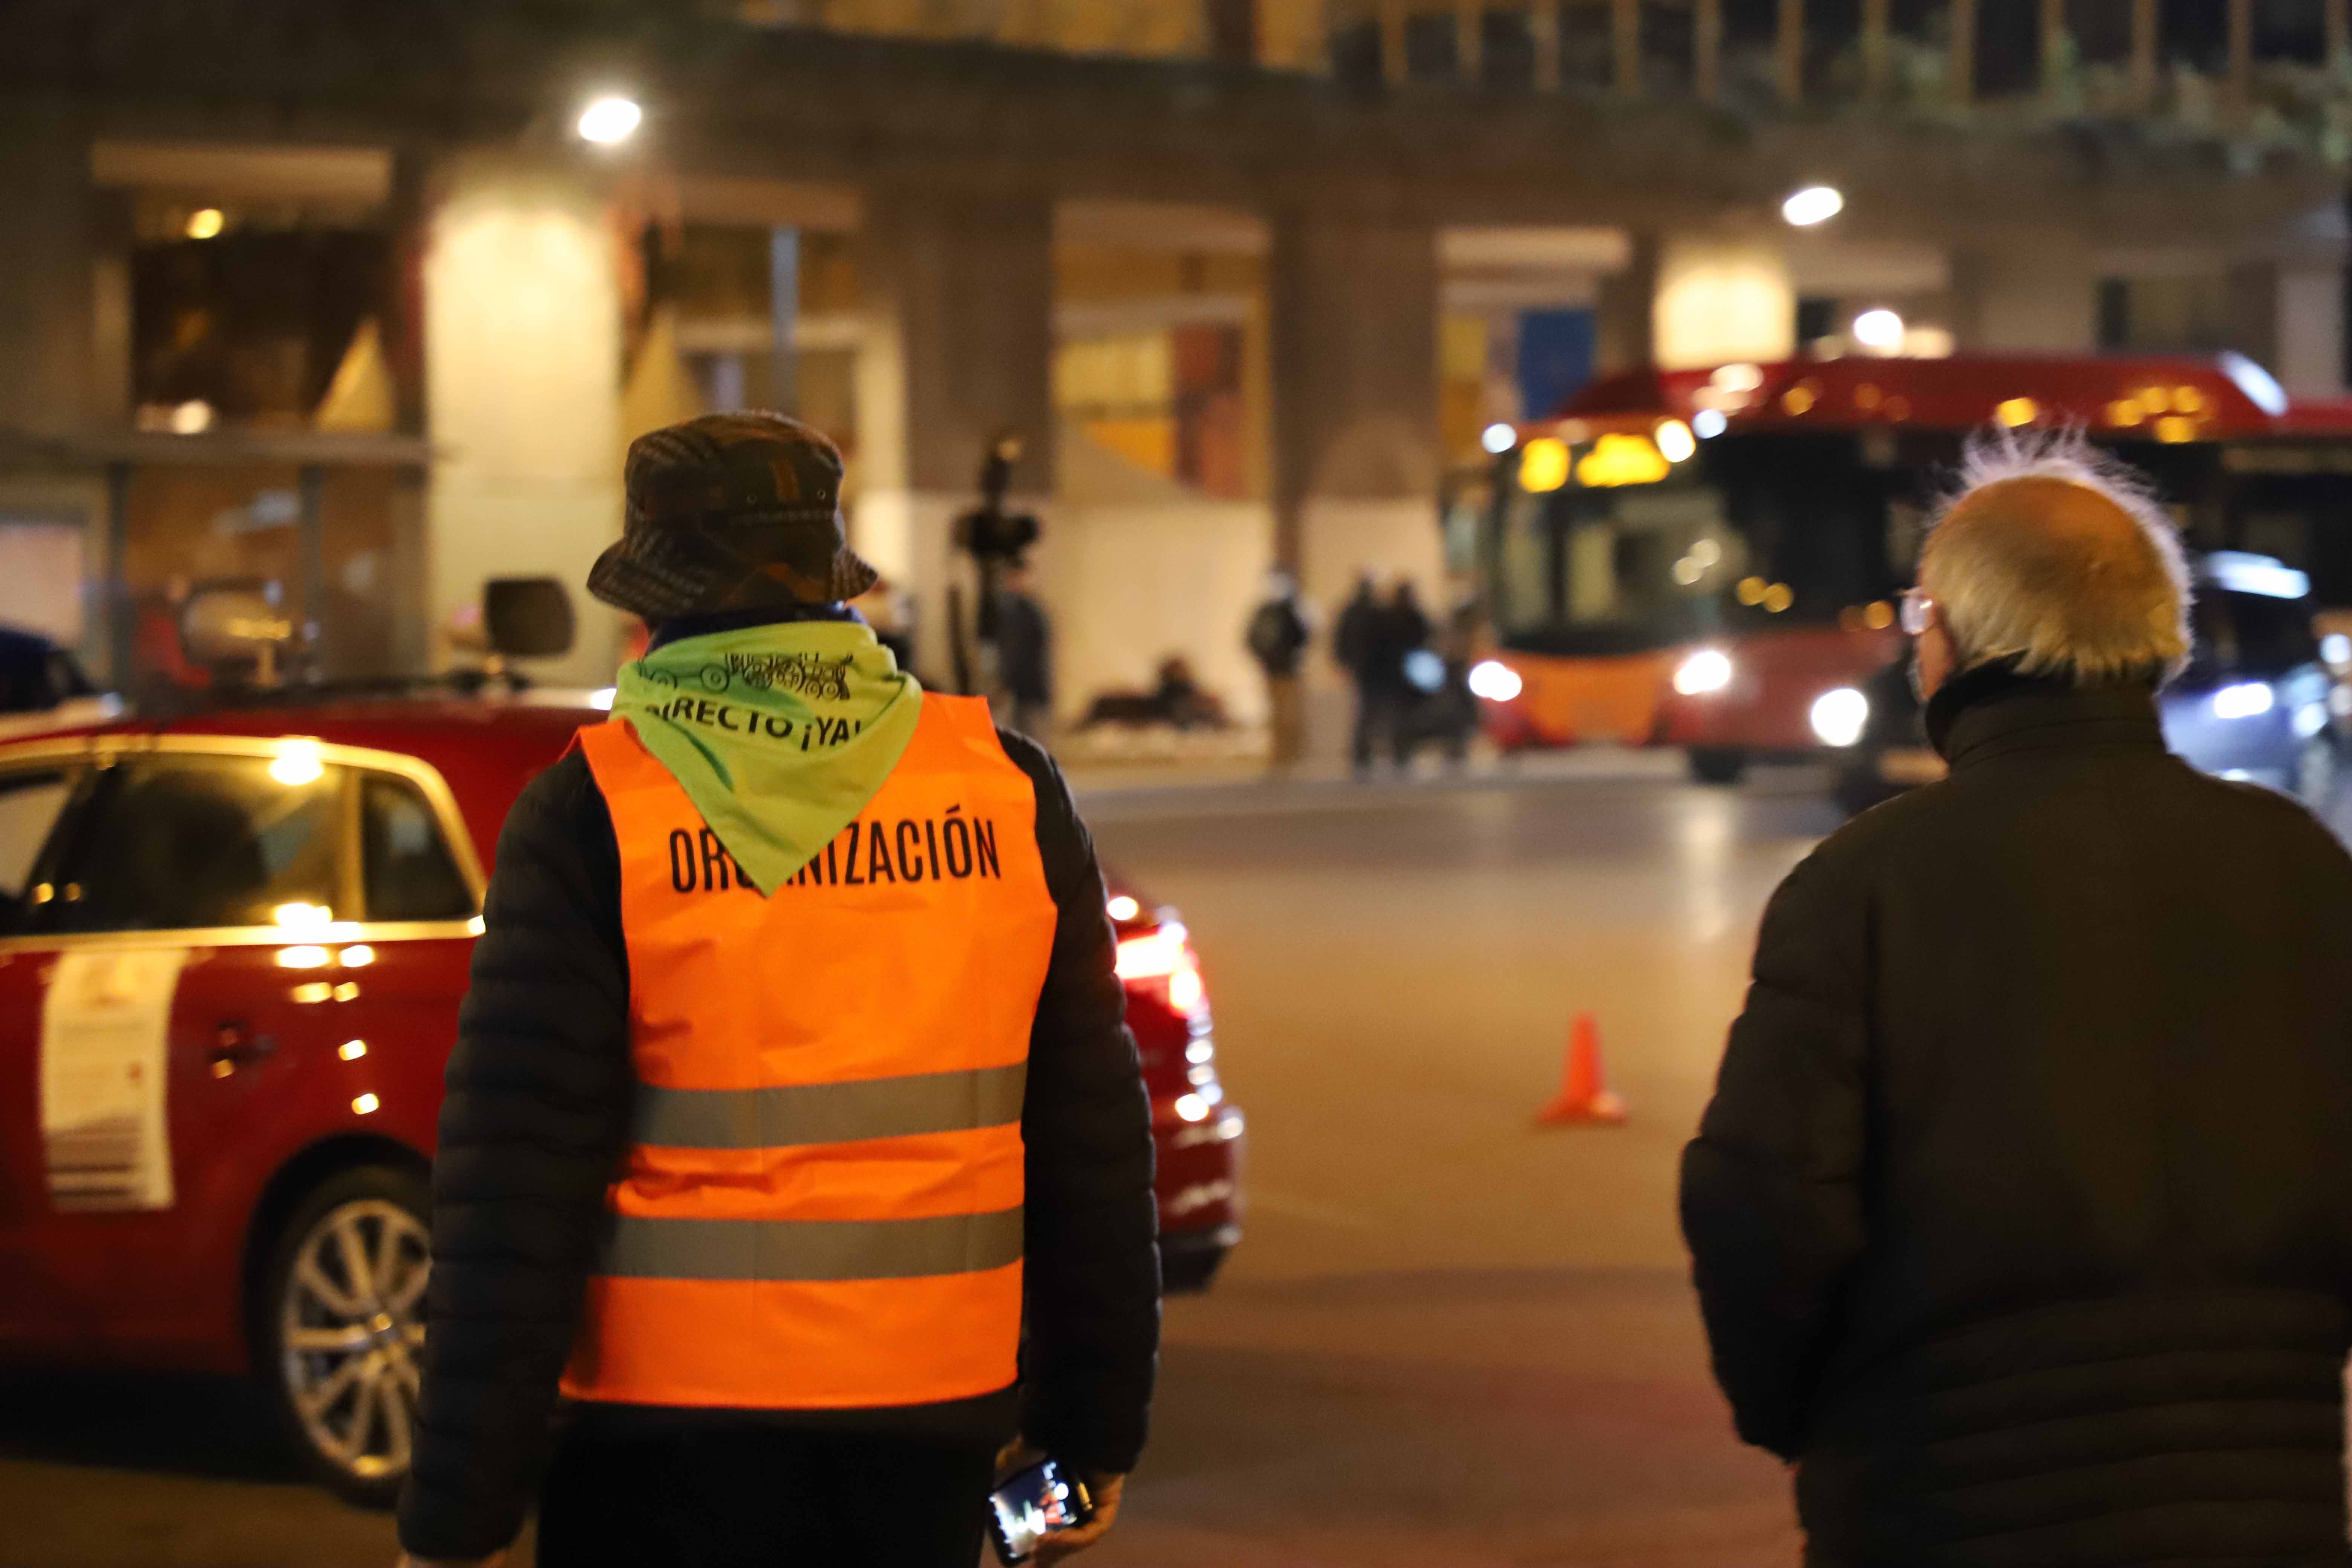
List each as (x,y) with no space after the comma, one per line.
(104,1062)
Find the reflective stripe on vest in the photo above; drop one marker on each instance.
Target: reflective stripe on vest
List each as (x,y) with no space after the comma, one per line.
(821,1203)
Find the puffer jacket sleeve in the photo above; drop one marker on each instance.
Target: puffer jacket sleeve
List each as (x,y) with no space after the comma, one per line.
(536,1113)
(1092,1221)
(1772,1204)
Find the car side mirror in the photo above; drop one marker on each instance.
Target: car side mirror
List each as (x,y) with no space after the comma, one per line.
(527,618)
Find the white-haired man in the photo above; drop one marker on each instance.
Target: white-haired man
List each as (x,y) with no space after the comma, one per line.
(2022,1214)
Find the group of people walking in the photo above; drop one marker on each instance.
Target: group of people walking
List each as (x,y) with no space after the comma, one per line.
(2022,1217)
(1407,683)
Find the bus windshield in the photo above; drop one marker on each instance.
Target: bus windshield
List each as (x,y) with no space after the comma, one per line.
(1751,534)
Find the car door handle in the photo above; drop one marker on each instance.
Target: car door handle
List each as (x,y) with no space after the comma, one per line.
(235,1044)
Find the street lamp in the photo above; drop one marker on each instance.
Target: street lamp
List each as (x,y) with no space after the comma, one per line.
(610,119)
(1814,203)
(1879,331)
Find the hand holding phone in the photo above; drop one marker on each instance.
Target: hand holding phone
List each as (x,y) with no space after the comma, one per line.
(1048,1512)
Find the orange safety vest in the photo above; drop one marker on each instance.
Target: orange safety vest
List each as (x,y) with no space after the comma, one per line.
(822,1203)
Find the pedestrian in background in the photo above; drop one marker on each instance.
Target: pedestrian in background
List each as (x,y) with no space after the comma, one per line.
(792,1086)
(2022,1214)
(1024,653)
(1278,638)
(1362,645)
(1395,629)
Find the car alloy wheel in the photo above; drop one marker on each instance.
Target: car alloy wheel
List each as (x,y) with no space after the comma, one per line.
(345,1331)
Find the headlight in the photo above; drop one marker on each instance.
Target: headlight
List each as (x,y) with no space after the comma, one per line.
(1838,716)
(1705,670)
(1494,680)
(2247,700)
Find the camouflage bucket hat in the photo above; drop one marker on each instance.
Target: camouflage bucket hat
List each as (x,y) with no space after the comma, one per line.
(730,511)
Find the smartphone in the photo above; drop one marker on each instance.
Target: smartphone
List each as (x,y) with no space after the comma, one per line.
(1042,1501)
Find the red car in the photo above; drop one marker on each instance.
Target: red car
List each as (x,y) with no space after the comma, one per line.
(235,946)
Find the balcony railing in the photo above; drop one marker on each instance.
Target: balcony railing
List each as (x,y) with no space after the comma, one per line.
(2249,71)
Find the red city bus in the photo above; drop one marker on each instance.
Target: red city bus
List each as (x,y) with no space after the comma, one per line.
(1708,559)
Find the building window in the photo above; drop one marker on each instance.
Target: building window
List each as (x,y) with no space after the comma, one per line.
(1166,400)
(262,320)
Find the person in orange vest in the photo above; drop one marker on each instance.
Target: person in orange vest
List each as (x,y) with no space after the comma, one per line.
(793,1126)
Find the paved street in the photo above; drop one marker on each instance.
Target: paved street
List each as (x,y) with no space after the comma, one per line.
(1451,1337)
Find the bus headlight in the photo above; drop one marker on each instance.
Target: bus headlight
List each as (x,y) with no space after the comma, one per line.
(2246,699)
(1706,670)
(1839,715)
(1494,680)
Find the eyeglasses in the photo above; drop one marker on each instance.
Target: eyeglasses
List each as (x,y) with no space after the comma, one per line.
(1915,611)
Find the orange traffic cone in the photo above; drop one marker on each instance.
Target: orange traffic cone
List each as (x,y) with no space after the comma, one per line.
(1583,1097)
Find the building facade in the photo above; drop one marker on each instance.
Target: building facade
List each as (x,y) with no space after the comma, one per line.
(339,302)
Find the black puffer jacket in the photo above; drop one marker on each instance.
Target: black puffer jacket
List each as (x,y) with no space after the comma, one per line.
(2023,1215)
(539,1091)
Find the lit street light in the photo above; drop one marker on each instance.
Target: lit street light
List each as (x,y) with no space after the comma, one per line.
(610,119)
(1814,203)
(1880,331)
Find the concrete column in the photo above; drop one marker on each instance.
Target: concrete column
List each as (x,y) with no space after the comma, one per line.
(1393,65)
(2054,43)
(957,351)
(48,329)
(522,371)
(1290,34)
(1625,330)
(1962,71)
(2238,91)
(1789,51)
(1353,315)
(1873,49)
(1469,40)
(2143,54)
(1625,43)
(2310,331)
(1706,50)
(1543,30)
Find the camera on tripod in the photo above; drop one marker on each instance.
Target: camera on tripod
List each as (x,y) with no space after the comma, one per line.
(993,536)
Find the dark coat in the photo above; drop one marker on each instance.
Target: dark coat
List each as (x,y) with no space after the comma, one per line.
(537,1113)
(1024,647)
(1278,635)
(2022,1214)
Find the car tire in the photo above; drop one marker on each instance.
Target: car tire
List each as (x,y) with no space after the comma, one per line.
(339,1329)
(1718,764)
(2315,771)
(1187,1270)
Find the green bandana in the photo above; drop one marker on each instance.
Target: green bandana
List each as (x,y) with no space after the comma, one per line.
(779,734)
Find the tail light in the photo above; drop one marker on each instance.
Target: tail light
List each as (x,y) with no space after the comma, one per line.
(1165,952)
(1159,963)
